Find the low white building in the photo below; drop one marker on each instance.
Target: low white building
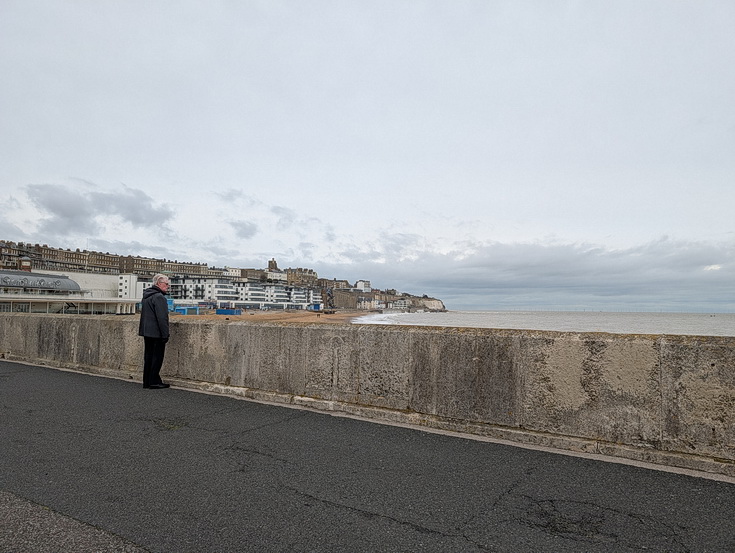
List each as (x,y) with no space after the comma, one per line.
(368,303)
(232,272)
(52,292)
(94,285)
(277,276)
(399,304)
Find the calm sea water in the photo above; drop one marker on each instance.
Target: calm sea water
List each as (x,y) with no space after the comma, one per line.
(698,324)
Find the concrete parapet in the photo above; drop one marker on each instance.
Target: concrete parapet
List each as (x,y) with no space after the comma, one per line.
(663,399)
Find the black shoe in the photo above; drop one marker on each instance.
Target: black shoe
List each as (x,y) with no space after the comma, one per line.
(159,386)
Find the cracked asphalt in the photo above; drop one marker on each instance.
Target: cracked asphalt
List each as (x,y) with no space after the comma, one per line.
(97,464)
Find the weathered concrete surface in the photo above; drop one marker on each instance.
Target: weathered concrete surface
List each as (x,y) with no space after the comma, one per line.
(662,399)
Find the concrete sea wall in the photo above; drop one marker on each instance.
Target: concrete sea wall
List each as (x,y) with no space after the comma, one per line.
(663,399)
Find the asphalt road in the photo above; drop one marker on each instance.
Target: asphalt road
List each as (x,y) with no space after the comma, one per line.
(97,464)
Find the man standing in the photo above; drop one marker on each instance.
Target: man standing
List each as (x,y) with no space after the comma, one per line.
(154,329)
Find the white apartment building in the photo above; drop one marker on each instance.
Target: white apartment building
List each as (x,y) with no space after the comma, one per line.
(277,295)
(268,295)
(251,295)
(130,287)
(186,289)
(193,289)
(225,292)
(299,296)
(313,297)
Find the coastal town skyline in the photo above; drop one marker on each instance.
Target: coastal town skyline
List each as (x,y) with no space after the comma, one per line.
(497,156)
(34,256)
(33,271)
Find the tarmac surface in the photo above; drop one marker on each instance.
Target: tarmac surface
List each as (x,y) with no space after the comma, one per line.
(92,464)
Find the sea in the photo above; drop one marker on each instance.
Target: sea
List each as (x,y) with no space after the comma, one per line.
(694,324)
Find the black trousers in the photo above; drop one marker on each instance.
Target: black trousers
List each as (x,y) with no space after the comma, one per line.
(155,348)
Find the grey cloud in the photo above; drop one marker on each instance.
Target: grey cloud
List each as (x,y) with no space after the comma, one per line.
(70,212)
(662,275)
(9,231)
(219,254)
(216,253)
(133,248)
(288,220)
(231,195)
(73,211)
(134,206)
(588,267)
(388,248)
(307,249)
(244,229)
(286,216)
(359,255)
(400,244)
(329,234)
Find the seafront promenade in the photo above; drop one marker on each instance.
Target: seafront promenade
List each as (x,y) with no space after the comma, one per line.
(98,464)
(654,398)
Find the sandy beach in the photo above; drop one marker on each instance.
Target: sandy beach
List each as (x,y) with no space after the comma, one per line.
(341,316)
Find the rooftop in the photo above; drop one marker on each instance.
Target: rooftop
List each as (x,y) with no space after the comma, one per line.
(37,281)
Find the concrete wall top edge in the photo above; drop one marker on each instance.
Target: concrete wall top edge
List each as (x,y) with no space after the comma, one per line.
(529,333)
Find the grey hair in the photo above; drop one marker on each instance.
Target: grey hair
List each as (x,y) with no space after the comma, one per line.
(158,278)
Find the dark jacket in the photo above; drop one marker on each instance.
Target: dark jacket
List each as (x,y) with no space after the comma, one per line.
(153,314)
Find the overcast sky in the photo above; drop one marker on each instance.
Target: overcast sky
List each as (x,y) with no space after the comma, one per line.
(495,154)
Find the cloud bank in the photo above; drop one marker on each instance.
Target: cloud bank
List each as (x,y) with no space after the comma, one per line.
(665,274)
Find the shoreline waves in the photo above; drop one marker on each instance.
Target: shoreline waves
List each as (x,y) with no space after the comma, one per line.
(697,324)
